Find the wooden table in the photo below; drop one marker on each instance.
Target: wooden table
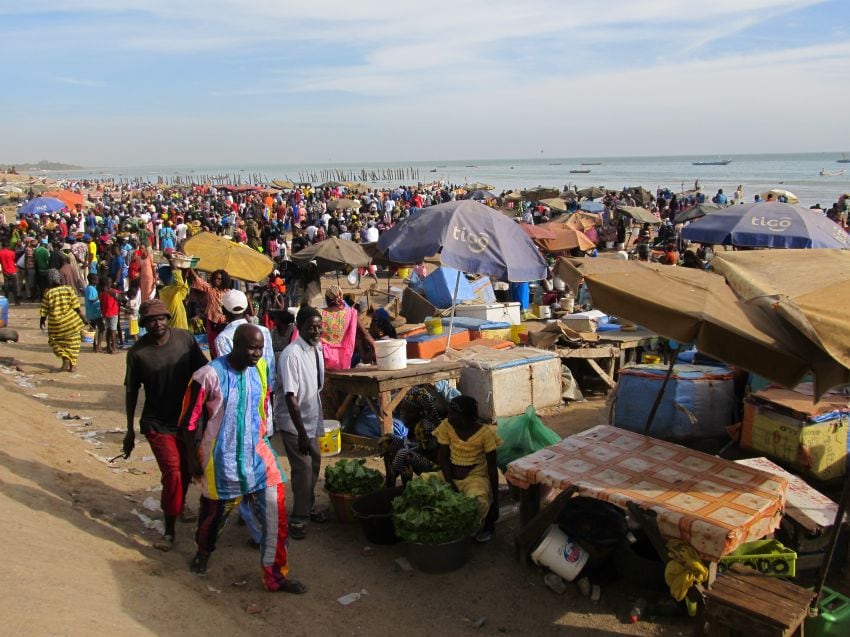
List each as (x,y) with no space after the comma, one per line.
(384,390)
(613,350)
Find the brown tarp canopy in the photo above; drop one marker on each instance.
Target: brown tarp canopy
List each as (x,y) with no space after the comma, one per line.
(808,288)
(334,254)
(567,237)
(691,305)
(639,214)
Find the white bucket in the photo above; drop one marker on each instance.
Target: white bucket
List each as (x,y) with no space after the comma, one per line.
(559,554)
(545,312)
(391,354)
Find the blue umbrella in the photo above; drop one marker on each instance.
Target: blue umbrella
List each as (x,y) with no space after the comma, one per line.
(592,206)
(469,237)
(767,225)
(42,205)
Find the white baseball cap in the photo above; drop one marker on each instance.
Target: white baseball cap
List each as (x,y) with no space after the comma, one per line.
(234,301)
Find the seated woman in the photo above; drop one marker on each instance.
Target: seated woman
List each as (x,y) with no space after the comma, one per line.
(467,459)
(417,453)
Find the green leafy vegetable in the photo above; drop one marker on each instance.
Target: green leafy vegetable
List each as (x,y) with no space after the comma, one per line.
(431,512)
(352,476)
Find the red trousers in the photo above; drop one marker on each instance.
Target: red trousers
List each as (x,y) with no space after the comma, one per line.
(170,455)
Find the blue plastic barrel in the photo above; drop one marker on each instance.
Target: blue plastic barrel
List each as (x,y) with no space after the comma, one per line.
(4,311)
(520,294)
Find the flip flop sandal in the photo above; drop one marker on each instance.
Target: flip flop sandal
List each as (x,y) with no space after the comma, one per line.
(297,531)
(292,586)
(188,516)
(165,543)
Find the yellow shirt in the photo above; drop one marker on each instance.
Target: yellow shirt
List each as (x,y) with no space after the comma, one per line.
(467,453)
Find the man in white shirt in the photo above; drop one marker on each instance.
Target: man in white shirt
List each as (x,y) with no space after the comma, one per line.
(298,416)
(372,234)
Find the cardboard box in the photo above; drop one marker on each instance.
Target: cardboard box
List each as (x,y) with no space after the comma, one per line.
(787,427)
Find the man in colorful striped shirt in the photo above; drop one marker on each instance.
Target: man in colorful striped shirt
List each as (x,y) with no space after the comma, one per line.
(224,424)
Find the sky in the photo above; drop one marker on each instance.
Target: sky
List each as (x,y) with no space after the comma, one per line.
(166,82)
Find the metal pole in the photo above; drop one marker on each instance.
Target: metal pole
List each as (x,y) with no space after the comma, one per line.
(657,403)
(833,540)
(452,319)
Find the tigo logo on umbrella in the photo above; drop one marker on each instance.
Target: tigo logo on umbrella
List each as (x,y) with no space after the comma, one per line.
(477,242)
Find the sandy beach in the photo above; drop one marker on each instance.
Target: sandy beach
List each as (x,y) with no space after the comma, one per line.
(74,545)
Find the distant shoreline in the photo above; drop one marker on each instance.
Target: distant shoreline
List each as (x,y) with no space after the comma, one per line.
(42,165)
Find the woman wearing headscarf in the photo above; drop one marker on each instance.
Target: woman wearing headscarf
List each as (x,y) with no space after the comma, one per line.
(61,311)
(340,329)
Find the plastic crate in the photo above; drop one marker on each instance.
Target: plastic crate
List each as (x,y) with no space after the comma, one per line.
(833,619)
(768,557)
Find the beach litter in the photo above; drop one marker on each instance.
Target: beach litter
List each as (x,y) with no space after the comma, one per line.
(475,623)
(212,589)
(151,504)
(40,395)
(148,523)
(148,458)
(149,489)
(346,600)
(253,609)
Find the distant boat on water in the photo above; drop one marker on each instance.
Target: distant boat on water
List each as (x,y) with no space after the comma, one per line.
(554,163)
(831,173)
(581,172)
(591,163)
(718,162)
(433,170)
(844,159)
(471,166)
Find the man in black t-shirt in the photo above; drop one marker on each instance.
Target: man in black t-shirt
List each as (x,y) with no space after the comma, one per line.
(162,361)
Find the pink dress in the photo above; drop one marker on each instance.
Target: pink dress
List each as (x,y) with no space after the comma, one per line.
(339,332)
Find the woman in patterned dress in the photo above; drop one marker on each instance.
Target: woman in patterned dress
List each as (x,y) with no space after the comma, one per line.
(61,311)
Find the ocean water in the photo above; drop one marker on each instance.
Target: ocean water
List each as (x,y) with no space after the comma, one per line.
(797,173)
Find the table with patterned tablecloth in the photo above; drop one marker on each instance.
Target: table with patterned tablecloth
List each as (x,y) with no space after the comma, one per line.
(713,504)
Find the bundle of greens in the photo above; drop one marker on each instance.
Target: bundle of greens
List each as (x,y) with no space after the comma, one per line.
(431,512)
(352,477)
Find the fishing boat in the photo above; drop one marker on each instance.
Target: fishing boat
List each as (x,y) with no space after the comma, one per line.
(719,162)
(844,159)
(433,170)
(554,163)
(831,173)
(580,172)
(591,163)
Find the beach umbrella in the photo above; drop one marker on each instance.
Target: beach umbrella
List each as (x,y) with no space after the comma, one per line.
(568,195)
(379,258)
(478,185)
(283,184)
(696,212)
(591,193)
(220,253)
(357,186)
(767,225)
(42,205)
(470,237)
(332,184)
(641,195)
(566,237)
(537,232)
(592,206)
(555,203)
(639,214)
(343,204)
(536,194)
(334,254)
(71,199)
(790,197)
(513,196)
(480,195)
(690,305)
(584,220)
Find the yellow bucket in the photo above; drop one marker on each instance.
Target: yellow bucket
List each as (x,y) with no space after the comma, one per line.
(516,330)
(331,443)
(404,273)
(650,359)
(434,326)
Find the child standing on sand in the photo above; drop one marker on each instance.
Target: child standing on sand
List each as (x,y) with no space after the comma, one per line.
(93,313)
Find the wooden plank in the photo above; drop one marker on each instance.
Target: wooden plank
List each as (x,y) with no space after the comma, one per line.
(601,372)
(349,398)
(371,372)
(607,351)
(385,414)
(400,394)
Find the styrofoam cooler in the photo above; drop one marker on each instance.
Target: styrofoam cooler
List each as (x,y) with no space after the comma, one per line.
(698,402)
(510,380)
(493,312)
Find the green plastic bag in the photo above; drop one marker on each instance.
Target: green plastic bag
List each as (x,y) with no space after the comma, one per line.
(522,435)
